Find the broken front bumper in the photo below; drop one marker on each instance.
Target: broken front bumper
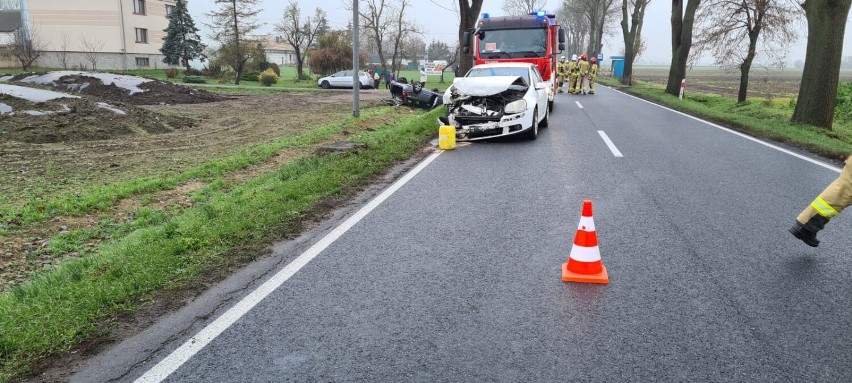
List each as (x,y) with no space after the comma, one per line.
(507,125)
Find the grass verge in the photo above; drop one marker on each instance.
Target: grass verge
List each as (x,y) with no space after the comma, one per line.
(62,307)
(103,197)
(764,118)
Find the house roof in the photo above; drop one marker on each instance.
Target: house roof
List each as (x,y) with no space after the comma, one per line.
(10,21)
(276,45)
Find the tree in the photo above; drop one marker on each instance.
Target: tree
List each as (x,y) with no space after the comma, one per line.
(91,50)
(631,30)
(413,48)
(182,42)
(402,29)
(376,22)
(576,27)
(441,51)
(682,23)
(818,91)
(468,13)
(333,53)
(234,20)
(301,35)
(731,30)
(26,47)
(62,53)
(523,7)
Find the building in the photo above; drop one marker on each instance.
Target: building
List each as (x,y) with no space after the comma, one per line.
(105,34)
(279,51)
(10,22)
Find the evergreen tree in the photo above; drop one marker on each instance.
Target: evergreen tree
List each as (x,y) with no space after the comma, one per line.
(182,42)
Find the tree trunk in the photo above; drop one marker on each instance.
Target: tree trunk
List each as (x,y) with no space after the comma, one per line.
(745,67)
(469,13)
(681,42)
(818,90)
(631,33)
(299,64)
(237,43)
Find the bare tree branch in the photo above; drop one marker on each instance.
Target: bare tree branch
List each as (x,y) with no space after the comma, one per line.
(523,7)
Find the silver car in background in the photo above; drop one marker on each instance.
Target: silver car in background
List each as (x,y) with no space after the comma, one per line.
(343,79)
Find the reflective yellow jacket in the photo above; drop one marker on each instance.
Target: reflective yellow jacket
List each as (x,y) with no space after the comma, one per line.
(584,68)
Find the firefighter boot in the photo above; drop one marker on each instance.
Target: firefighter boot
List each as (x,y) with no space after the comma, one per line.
(807,232)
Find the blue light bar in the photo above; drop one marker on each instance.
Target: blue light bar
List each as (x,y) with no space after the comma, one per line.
(485,15)
(541,13)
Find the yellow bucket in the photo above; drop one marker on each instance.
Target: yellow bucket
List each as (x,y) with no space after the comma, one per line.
(447,137)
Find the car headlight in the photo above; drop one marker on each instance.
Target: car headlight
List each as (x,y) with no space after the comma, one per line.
(515,107)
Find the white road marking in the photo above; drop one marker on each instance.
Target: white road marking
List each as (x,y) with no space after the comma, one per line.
(579,105)
(193,345)
(609,143)
(764,143)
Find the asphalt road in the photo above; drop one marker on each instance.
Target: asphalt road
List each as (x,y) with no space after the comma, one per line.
(456,276)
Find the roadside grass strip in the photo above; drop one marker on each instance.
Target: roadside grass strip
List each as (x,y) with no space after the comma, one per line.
(104,197)
(64,306)
(765,118)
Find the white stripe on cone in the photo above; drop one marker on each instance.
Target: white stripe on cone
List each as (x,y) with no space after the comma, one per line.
(585,254)
(586,224)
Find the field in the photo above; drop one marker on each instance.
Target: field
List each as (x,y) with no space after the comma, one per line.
(763,82)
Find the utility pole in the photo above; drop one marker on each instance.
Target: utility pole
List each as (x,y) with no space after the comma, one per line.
(356,50)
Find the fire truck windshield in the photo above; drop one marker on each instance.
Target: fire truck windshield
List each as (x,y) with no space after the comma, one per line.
(513,43)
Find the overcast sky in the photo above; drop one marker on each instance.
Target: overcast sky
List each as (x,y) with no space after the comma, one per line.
(441,23)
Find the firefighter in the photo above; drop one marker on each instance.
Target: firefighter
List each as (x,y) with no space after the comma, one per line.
(583,70)
(593,74)
(561,72)
(836,197)
(572,73)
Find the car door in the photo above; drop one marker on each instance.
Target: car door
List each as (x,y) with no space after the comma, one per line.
(339,79)
(541,94)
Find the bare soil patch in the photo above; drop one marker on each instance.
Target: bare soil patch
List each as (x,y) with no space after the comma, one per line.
(33,170)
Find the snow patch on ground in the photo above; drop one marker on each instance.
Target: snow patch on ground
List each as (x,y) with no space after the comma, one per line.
(111,108)
(5,78)
(5,108)
(130,83)
(31,94)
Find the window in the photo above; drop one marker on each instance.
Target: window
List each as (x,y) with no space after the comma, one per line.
(169,10)
(141,35)
(139,7)
(142,62)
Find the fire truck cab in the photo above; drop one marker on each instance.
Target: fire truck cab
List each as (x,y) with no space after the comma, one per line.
(536,38)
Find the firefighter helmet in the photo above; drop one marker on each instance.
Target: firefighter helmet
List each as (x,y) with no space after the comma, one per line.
(583,56)
(573,57)
(593,60)
(562,58)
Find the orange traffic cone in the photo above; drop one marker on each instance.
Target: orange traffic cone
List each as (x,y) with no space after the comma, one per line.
(584,264)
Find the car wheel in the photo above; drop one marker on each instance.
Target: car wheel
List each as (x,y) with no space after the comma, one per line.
(545,121)
(532,133)
(550,105)
(325,85)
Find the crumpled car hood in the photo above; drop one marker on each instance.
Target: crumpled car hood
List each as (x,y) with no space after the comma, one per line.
(487,86)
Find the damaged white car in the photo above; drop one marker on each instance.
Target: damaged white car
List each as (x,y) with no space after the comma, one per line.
(495,100)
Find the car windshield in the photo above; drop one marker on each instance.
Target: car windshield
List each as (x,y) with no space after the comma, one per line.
(513,43)
(498,71)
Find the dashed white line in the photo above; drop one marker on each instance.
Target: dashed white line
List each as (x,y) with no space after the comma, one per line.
(579,104)
(194,344)
(609,144)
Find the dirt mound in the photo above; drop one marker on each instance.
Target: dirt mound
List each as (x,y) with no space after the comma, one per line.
(120,88)
(155,92)
(83,119)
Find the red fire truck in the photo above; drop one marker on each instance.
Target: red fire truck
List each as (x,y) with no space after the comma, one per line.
(536,38)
